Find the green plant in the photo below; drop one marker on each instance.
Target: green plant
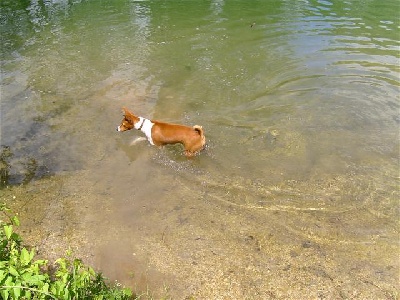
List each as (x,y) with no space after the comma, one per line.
(22,277)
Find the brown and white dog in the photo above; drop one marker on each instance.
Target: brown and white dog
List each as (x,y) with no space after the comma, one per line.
(159,133)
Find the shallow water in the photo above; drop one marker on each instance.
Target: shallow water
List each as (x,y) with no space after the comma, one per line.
(296,194)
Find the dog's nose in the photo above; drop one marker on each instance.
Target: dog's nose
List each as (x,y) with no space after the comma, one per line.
(117,128)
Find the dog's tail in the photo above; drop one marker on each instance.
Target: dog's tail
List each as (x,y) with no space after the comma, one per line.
(200,131)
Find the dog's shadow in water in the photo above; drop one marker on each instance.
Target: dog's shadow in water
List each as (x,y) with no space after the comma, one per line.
(136,148)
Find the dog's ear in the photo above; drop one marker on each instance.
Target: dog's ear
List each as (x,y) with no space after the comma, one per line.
(128,115)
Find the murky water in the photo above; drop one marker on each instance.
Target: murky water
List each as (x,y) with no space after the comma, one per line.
(295,196)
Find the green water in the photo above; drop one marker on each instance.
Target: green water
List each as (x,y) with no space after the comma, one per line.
(296,194)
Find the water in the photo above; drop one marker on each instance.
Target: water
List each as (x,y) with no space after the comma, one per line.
(295,196)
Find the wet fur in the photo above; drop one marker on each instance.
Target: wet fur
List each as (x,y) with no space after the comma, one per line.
(192,138)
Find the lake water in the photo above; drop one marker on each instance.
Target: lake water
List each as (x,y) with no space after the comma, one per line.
(296,195)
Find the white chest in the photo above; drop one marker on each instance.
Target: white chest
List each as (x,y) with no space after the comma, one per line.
(145,126)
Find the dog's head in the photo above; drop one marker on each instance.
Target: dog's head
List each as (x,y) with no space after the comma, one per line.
(128,122)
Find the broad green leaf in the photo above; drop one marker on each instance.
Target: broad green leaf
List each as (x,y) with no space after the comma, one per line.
(25,257)
(9,281)
(4,294)
(32,254)
(61,263)
(2,275)
(45,288)
(40,262)
(27,277)
(66,293)
(54,288)
(34,279)
(127,292)
(13,271)
(65,277)
(8,230)
(16,293)
(15,220)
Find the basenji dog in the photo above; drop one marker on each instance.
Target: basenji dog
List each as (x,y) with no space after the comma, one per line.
(160,133)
